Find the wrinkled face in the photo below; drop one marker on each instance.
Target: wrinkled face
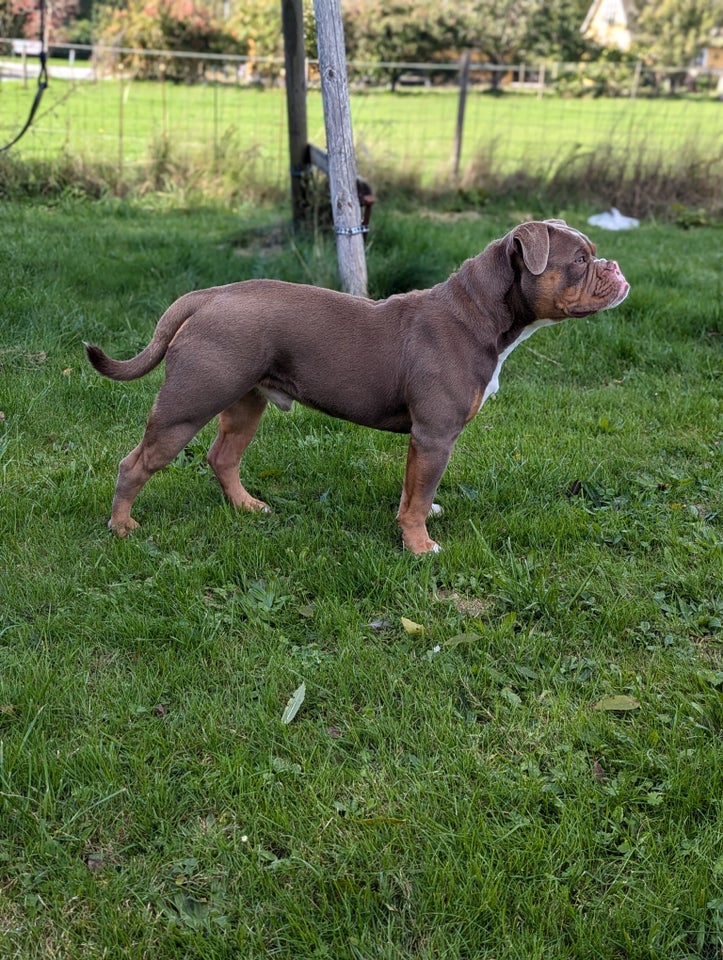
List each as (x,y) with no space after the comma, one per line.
(574,282)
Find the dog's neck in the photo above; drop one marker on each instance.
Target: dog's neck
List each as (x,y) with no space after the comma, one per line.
(487,297)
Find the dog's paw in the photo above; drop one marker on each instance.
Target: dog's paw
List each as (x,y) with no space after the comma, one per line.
(420,547)
(121,528)
(256,506)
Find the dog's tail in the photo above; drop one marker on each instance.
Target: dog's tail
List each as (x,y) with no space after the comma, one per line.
(138,366)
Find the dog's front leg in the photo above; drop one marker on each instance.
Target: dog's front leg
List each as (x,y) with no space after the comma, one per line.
(426,462)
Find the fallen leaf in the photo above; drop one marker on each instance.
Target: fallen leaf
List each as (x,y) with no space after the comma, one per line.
(713,677)
(618,704)
(294,704)
(281,765)
(411,627)
(462,638)
(191,910)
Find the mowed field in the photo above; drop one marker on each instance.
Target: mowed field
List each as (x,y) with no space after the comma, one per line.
(509,750)
(130,123)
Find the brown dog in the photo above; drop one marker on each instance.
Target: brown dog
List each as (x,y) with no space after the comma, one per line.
(421,363)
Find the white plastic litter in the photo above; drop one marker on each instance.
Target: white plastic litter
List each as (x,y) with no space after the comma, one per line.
(612,219)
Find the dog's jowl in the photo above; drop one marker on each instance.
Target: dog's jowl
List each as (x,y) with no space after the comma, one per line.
(421,363)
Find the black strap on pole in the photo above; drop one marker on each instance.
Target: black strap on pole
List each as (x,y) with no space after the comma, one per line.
(42,82)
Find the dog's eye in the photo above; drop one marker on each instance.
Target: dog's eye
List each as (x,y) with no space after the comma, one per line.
(581,259)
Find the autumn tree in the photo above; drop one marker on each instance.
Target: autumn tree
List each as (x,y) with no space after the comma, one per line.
(554,31)
(10,22)
(401,31)
(178,25)
(499,29)
(672,32)
(22,18)
(258,22)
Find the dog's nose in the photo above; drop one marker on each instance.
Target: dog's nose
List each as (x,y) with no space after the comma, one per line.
(611,265)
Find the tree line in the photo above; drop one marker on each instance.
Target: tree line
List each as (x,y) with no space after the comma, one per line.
(667,32)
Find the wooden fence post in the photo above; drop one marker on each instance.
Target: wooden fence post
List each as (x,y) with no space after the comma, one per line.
(462,103)
(340,147)
(293,27)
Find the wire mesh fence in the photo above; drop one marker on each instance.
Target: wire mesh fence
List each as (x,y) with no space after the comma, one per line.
(134,111)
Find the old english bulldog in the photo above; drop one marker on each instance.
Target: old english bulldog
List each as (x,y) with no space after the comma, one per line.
(421,363)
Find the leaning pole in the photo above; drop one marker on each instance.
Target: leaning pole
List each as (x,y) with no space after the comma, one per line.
(340,147)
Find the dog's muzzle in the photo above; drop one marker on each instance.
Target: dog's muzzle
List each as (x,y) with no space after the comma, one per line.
(610,284)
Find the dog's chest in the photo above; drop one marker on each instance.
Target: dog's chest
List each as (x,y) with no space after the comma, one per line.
(494,383)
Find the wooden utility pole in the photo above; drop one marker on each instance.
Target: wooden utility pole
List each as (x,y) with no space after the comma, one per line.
(340,147)
(292,16)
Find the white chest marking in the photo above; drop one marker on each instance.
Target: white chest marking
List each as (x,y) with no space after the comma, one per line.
(494,385)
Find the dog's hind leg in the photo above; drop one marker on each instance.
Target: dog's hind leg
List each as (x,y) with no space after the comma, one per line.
(237,427)
(160,444)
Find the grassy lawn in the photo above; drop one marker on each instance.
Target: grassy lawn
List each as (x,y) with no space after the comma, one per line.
(412,132)
(468,791)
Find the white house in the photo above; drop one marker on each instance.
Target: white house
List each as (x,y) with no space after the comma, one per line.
(610,23)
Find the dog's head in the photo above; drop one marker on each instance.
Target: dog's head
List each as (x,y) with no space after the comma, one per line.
(559,274)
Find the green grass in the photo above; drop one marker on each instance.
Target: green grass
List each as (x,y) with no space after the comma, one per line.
(153,135)
(414,127)
(449,794)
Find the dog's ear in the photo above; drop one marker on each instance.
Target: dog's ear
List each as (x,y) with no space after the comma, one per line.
(533,240)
